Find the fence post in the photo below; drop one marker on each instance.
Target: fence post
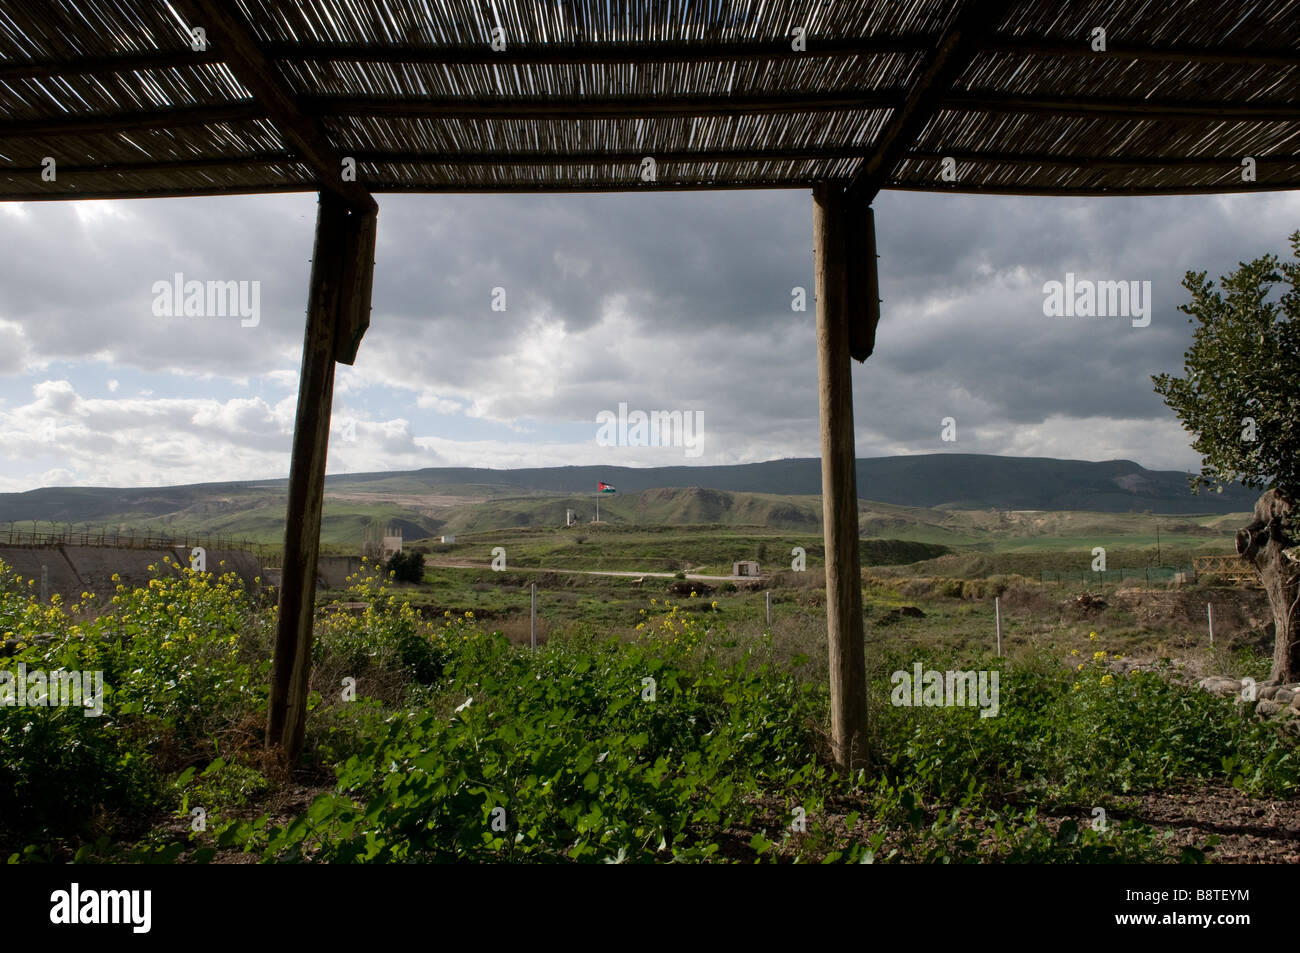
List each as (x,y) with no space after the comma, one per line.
(532,623)
(769,608)
(997,615)
(1209,615)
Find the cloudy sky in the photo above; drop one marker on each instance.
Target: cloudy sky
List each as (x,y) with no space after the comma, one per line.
(668,301)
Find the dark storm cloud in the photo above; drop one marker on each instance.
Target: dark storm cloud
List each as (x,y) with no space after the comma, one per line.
(663,301)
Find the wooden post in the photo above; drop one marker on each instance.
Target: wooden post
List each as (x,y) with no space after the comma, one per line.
(340,274)
(848,674)
(997,621)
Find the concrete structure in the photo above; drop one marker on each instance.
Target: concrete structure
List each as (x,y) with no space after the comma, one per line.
(392,545)
(72,570)
(744,568)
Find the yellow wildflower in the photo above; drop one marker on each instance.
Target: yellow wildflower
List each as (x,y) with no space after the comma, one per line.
(1098,656)
(1107,679)
(1092,636)
(1074,652)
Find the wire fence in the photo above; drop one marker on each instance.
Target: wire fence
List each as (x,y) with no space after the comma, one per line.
(1146,575)
(130,540)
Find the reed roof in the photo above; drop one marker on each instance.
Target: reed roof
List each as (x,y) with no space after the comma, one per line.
(712,90)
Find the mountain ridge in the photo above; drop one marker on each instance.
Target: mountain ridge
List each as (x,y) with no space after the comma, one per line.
(942,480)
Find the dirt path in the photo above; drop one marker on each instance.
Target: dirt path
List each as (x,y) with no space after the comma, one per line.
(600,572)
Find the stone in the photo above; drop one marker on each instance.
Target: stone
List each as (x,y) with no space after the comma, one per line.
(1284,695)
(1220,685)
(1267,708)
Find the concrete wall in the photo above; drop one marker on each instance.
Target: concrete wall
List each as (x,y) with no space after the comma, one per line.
(334,570)
(27,562)
(72,570)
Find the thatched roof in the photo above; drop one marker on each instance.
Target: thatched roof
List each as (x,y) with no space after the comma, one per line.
(712,90)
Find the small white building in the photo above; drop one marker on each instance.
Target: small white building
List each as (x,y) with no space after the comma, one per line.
(744,568)
(449,539)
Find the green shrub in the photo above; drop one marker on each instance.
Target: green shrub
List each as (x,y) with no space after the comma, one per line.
(406,567)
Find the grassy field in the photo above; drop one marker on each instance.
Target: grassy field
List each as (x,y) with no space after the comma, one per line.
(592,746)
(709,765)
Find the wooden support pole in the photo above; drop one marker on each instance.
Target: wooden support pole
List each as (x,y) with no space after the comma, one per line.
(848,674)
(340,272)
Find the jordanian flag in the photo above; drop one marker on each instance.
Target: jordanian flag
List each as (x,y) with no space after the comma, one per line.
(604,488)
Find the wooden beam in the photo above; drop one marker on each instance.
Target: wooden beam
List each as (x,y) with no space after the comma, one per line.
(861,280)
(170,117)
(974,21)
(578,54)
(356,282)
(1122,107)
(1064,160)
(87,195)
(594,107)
(848,673)
(149,167)
(237,46)
(1084,192)
(501,158)
(344,243)
(703,156)
(1098,191)
(1119,49)
(594,54)
(107,65)
(519,187)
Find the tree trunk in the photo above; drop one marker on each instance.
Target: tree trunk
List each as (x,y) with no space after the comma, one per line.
(1268,545)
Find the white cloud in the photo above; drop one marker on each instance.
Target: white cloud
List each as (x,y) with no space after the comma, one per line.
(665,301)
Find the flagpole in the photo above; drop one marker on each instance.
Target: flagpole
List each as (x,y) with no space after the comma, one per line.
(597,502)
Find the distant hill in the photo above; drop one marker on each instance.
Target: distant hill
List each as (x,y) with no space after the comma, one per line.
(957,480)
(447,498)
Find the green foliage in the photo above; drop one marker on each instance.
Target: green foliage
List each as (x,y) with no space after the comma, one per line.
(563,755)
(685,743)
(171,674)
(1243,363)
(406,566)
(1081,738)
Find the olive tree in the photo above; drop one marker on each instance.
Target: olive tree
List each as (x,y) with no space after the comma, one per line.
(1240,398)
